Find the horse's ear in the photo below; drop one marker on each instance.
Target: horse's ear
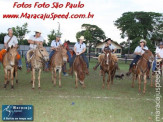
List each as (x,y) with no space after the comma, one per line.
(17,47)
(12,46)
(8,49)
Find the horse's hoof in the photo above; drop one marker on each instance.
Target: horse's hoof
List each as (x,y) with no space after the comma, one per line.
(16,81)
(33,88)
(76,87)
(5,85)
(60,86)
(31,81)
(39,87)
(132,86)
(7,82)
(103,87)
(12,87)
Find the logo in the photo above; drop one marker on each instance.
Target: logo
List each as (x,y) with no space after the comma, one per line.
(17,112)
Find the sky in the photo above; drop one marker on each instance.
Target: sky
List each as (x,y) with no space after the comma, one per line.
(105,13)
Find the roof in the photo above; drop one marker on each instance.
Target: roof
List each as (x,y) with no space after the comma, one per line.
(112,42)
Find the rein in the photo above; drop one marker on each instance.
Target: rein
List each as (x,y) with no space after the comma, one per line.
(143,71)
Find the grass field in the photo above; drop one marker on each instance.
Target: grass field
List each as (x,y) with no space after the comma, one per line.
(93,104)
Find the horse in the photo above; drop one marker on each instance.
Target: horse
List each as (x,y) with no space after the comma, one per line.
(56,63)
(37,58)
(141,69)
(79,68)
(10,66)
(108,65)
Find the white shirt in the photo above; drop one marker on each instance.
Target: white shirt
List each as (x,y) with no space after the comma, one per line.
(33,38)
(12,42)
(159,51)
(112,47)
(55,44)
(80,47)
(140,50)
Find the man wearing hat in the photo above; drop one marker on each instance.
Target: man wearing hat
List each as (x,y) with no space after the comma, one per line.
(109,46)
(34,40)
(79,49)
(138,52)
(159,55)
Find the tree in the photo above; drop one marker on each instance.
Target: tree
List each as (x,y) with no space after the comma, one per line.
(20,32)
(52,36)
(2,35)
(138,25)
(92,33)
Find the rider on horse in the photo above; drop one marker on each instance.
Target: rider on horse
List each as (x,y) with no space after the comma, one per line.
(54,47)
(34,40)
(11,40)
(159,55)
(138,52)
(79,49)
(109,46)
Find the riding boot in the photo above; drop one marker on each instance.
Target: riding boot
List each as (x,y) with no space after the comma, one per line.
(96,66)
(87,71)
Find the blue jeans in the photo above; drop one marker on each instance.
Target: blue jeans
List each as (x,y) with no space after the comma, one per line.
(28,65)
(84,58)
(154,65)
(20,60)
(135,60)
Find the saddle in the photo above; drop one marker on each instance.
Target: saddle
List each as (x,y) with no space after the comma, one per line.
(3,52)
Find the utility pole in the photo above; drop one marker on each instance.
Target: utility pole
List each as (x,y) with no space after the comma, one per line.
(58,28)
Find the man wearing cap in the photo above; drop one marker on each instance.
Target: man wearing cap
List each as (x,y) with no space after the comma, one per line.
(34,40)
(54,46)
(79,49)
(109,46)
(159,55)
(11,40)
(138,52)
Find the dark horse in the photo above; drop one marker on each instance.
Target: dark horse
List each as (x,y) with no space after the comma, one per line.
(141,69)
(108,66)
(79,68)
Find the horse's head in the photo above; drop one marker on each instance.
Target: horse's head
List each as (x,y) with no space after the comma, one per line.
(148,55)
(12,54)
(63,53)
(41,52)
(107,56)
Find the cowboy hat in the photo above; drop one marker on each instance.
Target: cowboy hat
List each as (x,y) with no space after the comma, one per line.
(81,38)
(108,39)
(161,43)
(58,35)
(38,31)
(142,40)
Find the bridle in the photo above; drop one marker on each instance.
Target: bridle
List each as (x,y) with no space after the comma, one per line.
(143,58)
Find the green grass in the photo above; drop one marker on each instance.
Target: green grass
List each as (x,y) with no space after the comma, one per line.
(93,104)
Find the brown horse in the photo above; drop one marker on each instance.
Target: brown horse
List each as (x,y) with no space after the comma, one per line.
(10,66)
(56,63)
(108,66)
(141,69)
(80,70)
(37,57)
